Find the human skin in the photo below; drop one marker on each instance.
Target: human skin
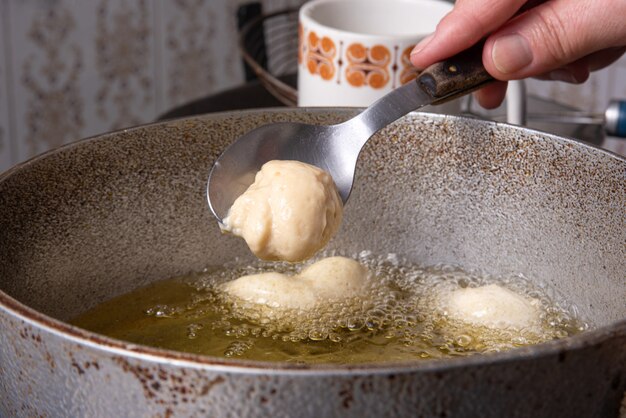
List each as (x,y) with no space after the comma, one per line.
(560,40)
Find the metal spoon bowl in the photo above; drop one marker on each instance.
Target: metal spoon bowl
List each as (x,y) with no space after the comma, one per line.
(335,148)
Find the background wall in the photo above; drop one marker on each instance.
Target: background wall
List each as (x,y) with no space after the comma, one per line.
(71,69)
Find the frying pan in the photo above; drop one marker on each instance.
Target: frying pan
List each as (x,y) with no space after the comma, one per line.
(108,214)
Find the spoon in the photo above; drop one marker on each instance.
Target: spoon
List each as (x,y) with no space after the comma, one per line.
(335,148)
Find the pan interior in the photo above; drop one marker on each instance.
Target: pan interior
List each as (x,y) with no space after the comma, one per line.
(101,217)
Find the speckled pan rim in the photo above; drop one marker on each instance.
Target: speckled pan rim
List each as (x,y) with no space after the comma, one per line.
(80,336)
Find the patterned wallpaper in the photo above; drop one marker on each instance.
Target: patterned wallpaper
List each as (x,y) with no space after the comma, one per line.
(71,69)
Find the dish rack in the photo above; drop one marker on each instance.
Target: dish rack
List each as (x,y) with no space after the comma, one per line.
(269,46)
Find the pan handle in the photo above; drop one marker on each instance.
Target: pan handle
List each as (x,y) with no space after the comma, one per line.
(455,76)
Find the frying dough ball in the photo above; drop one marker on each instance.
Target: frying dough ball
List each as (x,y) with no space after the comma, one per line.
(328,280)
(492,306)
(273,289)
(335,277)
(289,213)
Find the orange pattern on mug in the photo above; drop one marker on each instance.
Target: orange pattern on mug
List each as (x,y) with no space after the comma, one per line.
(368,66)
(409,72)
(320,56)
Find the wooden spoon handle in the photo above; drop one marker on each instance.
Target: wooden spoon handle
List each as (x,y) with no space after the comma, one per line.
(455,76)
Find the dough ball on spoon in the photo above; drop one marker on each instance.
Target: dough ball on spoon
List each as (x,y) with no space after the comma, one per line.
(289,213)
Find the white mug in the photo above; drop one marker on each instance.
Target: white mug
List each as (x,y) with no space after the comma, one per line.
(353,52)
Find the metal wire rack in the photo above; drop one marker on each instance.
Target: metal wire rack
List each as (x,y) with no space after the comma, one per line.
(269,45)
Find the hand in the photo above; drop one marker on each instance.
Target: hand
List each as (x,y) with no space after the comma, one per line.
(548,39)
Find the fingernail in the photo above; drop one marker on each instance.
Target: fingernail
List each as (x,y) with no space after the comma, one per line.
(422,44)
(511,53)
(563,75)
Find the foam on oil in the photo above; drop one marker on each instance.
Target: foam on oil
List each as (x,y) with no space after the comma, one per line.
(400,317)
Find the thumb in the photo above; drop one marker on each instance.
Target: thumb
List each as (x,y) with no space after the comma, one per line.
(553,35)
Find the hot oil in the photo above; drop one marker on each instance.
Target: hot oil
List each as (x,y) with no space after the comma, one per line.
(399,318)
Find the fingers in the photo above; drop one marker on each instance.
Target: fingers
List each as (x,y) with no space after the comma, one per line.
(491,95)
(466,24)
(553,38)
(601,59)
(574,73)
(550,39)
